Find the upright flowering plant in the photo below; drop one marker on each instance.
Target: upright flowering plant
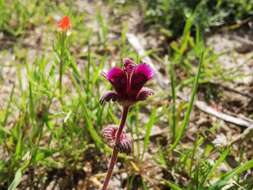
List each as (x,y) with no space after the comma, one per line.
(128,84)
(61,45)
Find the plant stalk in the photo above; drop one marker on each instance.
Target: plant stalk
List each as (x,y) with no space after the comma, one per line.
(115,151)
(60,77)
(62,39)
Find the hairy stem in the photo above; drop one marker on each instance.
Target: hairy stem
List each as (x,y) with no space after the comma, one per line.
(115,151)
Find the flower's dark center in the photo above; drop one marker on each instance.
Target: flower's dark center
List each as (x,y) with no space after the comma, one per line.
(120,82)
(138,81)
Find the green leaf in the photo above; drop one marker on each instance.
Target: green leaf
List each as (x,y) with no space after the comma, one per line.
(148,128)
(217,163)
(171,185)
(93,133)
(190,106)
(223,181)
(17,180)
(173,93)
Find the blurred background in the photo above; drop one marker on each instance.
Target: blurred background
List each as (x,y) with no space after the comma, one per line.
(194,133)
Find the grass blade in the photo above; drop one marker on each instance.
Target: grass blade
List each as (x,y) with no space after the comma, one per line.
(190,106)
(148,128)
(223,181)
(17,180)
(171,185)
(217,163)
(173,93)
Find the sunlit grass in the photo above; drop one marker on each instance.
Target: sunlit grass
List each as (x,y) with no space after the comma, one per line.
(46,126)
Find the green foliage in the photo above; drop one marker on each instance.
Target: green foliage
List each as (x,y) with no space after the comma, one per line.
(46,126)
(225,178)
(14,18)
(172,14)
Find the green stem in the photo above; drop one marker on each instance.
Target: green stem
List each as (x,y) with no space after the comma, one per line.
(62,39)
(60,77)
(173,92)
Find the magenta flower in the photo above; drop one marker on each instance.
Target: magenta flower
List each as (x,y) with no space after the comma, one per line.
(128,83)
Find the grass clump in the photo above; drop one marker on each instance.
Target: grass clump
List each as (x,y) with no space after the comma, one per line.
(172,14)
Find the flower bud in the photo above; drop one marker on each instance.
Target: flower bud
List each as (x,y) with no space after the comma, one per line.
(125,142)
(125,145)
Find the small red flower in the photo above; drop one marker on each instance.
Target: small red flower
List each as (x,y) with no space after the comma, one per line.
(64,24)
(128,83)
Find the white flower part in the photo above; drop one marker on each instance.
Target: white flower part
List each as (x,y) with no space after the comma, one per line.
(220,140)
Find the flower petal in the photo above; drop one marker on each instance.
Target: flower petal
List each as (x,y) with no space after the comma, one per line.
(141,74)
(118,79)
(129,65)
(64,24)
(144,69)
(108,97)
(144,94)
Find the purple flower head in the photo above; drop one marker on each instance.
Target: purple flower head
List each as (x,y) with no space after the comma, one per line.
(125,143)
(128,82)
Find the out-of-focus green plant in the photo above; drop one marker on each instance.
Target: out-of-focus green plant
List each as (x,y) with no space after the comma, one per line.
(172,14)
